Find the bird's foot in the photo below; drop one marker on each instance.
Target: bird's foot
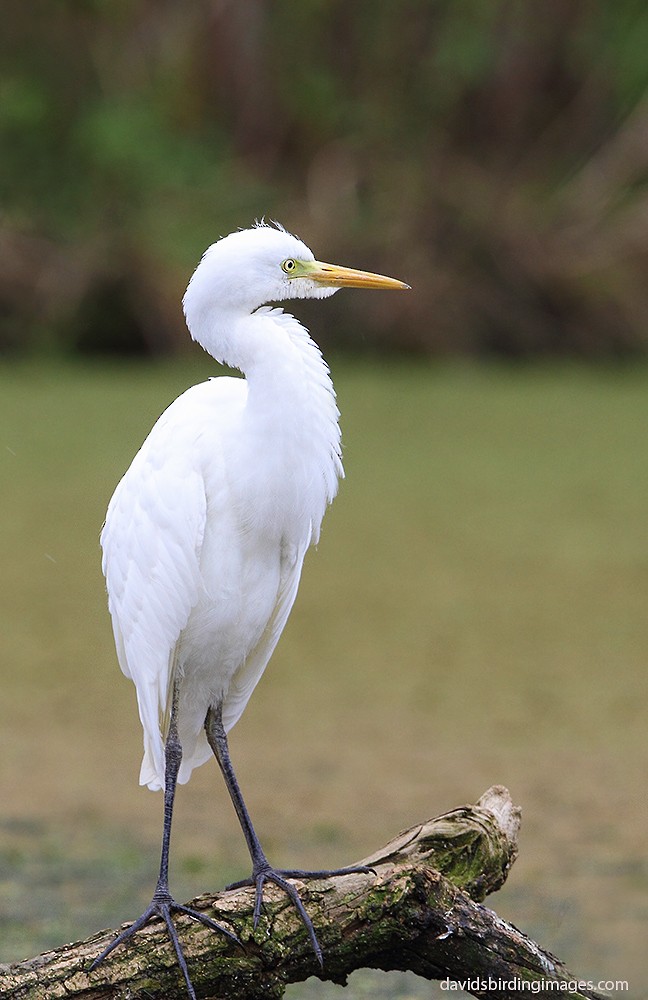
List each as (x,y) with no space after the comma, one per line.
(264,872)
(162,906)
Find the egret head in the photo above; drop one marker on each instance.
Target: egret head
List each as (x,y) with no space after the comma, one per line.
(252,267)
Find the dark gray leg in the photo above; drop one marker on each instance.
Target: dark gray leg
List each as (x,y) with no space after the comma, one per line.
(262,870)
(163,904)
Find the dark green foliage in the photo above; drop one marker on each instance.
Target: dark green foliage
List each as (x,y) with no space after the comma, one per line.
(492,154)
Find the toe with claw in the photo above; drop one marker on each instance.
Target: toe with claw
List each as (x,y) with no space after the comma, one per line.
(264,872)
(163,905)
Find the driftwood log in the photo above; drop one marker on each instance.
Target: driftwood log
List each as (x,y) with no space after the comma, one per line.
(420,911)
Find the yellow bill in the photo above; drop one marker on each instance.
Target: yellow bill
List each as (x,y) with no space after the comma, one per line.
(343,277)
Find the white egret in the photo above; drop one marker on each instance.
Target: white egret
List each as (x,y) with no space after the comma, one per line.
(206,533)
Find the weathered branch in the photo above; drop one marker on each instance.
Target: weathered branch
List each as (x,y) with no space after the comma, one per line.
(421,911)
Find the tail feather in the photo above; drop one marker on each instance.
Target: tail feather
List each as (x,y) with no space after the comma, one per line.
(197,752)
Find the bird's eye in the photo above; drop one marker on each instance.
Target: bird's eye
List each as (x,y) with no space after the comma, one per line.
(289,265)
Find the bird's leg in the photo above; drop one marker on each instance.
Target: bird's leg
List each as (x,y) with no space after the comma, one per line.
(163,904)
(262,870)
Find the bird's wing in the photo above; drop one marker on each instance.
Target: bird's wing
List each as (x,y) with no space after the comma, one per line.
(151,543)
(247,677)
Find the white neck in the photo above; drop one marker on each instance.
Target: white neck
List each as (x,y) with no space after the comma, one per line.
(291,409)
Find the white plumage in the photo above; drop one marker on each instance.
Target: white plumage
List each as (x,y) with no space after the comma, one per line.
(206,533)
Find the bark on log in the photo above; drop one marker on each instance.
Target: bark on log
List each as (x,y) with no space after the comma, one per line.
(420,911)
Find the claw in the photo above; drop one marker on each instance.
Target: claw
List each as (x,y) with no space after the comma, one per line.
(161,908)
(279,876)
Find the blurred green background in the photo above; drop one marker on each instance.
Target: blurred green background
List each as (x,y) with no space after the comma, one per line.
(476,611)
(494,153)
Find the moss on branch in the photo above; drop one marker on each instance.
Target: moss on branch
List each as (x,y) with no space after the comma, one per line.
(420,911)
